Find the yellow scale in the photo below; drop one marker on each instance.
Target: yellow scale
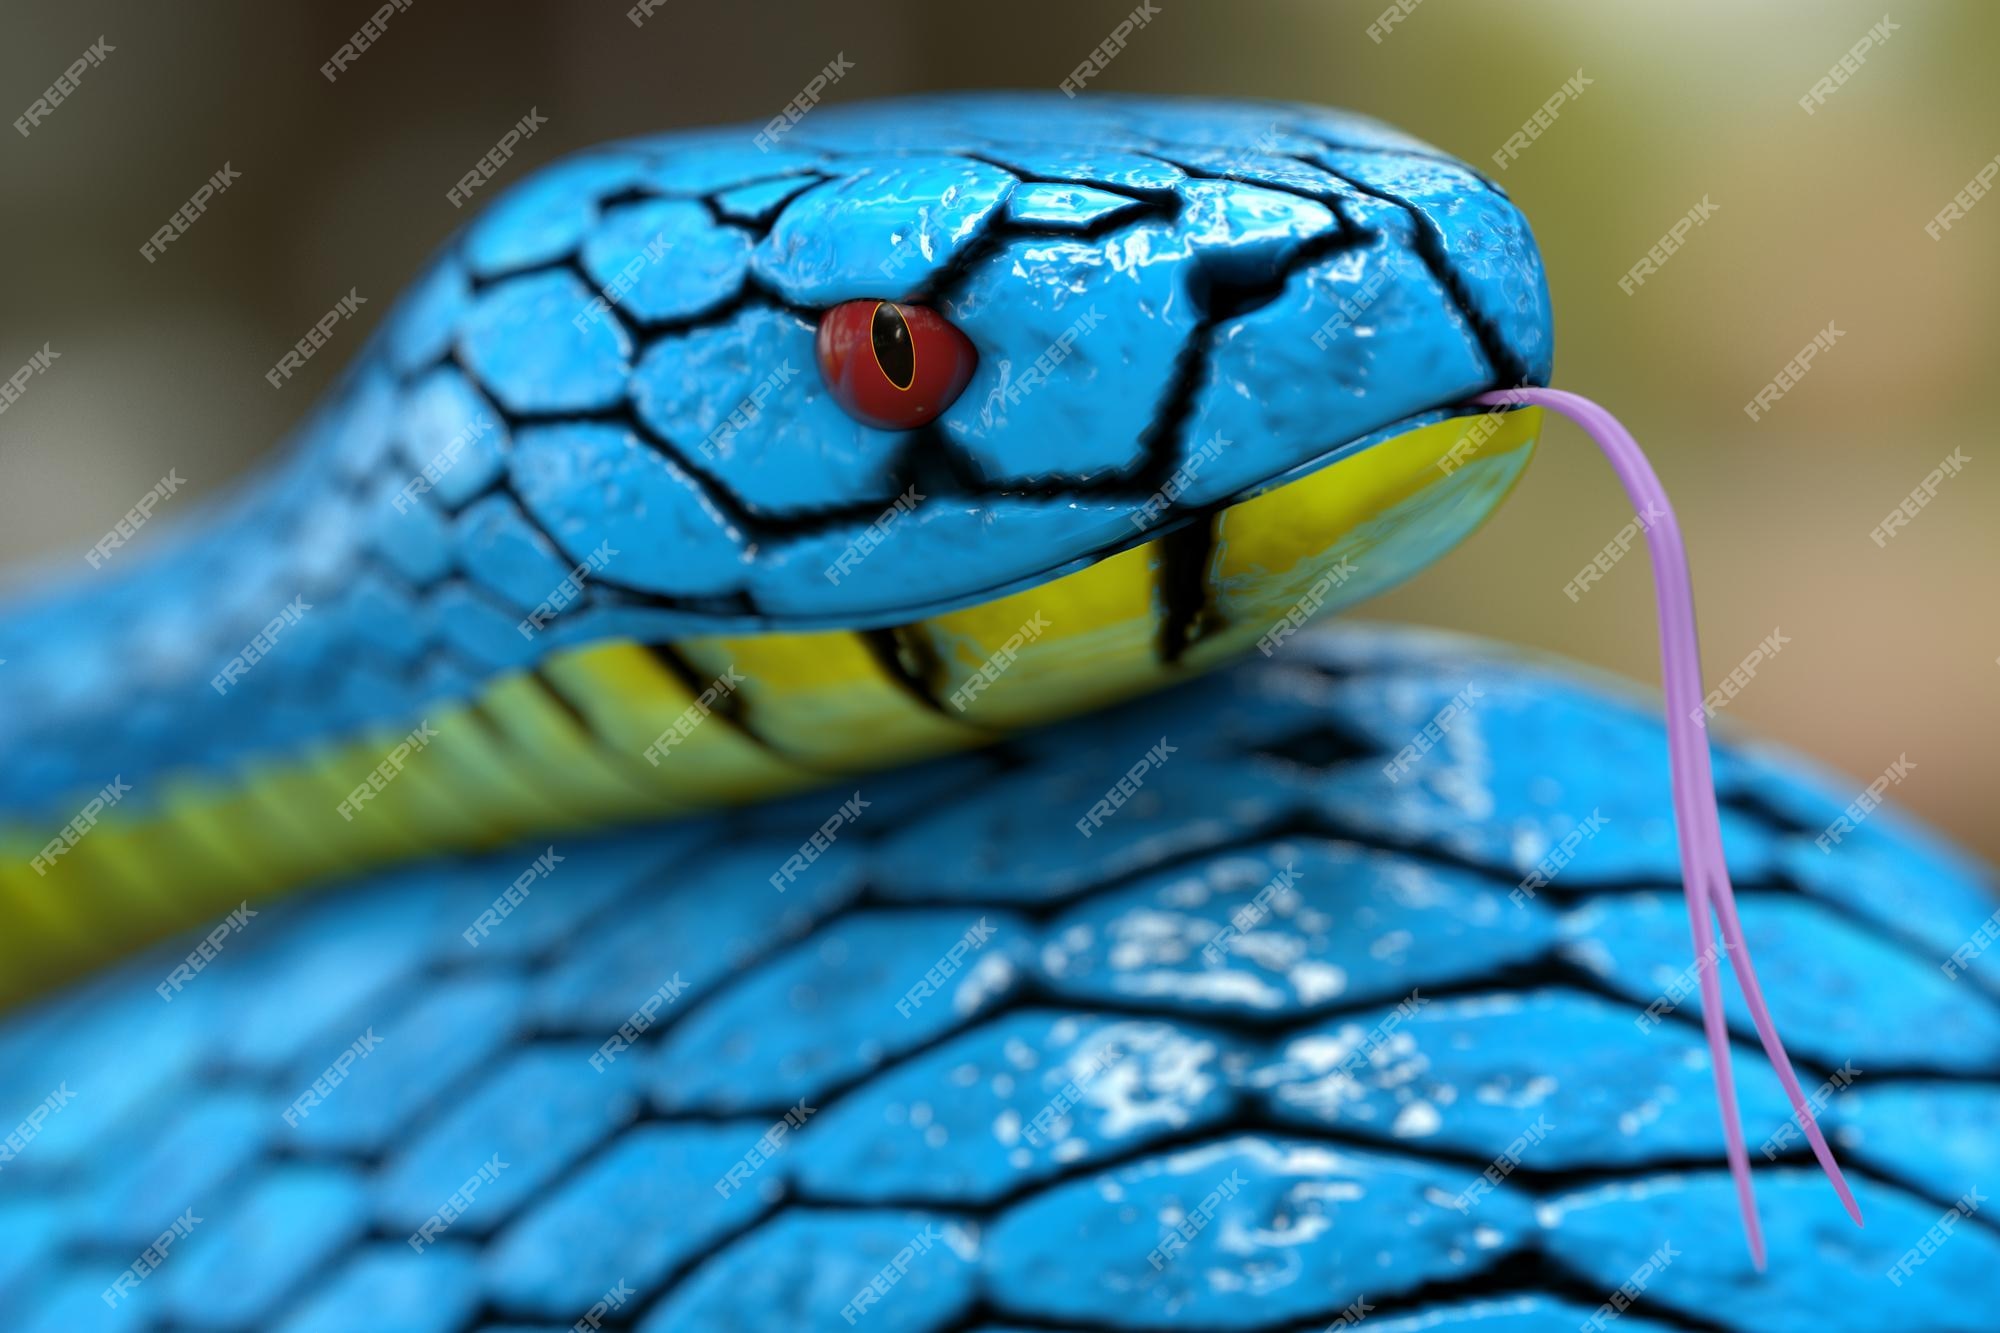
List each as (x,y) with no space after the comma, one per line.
(813,706)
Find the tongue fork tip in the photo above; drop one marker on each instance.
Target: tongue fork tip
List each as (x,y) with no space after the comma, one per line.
(1738,949)
(1702,863)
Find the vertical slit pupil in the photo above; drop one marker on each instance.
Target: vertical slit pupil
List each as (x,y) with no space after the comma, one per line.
(893,351)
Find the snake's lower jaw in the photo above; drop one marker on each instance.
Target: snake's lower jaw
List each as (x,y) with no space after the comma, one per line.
(1248,575)
(1245,576)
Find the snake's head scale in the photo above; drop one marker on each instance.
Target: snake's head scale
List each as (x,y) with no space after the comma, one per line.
(994,339)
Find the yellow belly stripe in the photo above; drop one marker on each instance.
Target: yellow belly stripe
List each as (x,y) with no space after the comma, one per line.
(634,701)
(1344,533)
(268,847)
(1062,647)
(620,731)
(382,828)
(474,759)
(296,799)
(824,699)
(548,741)
(47,938)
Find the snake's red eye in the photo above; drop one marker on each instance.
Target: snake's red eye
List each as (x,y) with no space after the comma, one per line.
(893,366)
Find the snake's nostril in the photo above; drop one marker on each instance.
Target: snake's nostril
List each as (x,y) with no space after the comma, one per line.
(892,366)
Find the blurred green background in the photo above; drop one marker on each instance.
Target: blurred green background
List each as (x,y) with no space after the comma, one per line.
(1818,218)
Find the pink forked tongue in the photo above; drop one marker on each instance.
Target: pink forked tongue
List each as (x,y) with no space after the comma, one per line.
(1705,877)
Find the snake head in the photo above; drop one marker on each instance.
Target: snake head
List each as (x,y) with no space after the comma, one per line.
(1142,311)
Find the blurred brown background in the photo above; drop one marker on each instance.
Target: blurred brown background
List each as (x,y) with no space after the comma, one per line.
(1817,218)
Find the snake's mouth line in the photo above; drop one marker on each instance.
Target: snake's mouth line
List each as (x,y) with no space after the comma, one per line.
(1159,516)
(1156,518)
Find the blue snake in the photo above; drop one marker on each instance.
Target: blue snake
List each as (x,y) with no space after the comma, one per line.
(703,469)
